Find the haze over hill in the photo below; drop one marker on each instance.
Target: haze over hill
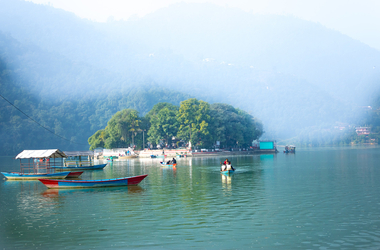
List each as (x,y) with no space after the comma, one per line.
(294,75)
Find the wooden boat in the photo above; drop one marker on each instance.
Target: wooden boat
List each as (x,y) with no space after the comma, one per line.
(227,172)
(125,181)
(94,167)
(37,164)
(168,165)
(74,174)
(34,176)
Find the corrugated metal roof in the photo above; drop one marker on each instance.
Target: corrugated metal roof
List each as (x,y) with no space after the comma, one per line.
(44,153)
(79,153)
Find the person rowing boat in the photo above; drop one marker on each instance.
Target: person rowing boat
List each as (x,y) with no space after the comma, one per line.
(226,166)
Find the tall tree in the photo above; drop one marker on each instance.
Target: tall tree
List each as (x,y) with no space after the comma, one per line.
(120,131)
(163,123)
(194,118)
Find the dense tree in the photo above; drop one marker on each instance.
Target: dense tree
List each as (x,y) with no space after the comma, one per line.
(163,123)
(233,127)
(194,118)
(196,121)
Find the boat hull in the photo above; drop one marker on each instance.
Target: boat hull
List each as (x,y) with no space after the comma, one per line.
(21,176)
(125,181)
(95,167)
(74,174)
(228,172)
(168,165)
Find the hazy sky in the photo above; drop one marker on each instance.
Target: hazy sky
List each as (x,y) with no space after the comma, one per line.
(359,19)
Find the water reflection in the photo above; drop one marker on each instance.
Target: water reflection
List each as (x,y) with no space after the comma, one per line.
(226,182)
(328,199)
(60,193)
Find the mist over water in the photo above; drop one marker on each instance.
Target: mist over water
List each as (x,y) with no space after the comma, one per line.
(297,77)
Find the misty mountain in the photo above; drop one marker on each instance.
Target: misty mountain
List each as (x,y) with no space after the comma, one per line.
(57,94)
(291,74)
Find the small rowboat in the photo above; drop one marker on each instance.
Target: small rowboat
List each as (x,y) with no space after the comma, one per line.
(32,176)
(228,172)
(168,165)
(125,181)
(94,167)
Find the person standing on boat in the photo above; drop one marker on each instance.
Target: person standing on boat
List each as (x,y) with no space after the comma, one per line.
(174,161)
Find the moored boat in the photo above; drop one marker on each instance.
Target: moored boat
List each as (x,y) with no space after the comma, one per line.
(37,164)
(124,181)
(74,174)
(34,176)
(94,167)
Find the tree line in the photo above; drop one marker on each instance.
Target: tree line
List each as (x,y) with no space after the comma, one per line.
(195,121)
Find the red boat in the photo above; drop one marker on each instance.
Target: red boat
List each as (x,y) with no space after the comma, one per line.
(74,174)
(124,181)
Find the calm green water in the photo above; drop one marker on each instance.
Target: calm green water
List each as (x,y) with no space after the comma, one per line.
(326,198)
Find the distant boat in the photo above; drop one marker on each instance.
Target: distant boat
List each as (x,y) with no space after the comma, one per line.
(164,164)
(290,149)
(34,176)
(124,181)
(125,157)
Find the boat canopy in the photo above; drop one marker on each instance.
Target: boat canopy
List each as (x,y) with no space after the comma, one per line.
(44,153)
(79,153)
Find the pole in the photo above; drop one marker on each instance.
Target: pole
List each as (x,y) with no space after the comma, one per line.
(143,140)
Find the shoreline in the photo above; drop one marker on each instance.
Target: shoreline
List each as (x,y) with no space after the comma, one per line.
(187,153)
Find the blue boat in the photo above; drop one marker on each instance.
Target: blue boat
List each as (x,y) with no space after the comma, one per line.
(168,165)
(94,167)
(34,176)
(228,172)
(124,181)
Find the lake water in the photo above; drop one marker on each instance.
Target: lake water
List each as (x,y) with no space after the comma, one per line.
(324,198)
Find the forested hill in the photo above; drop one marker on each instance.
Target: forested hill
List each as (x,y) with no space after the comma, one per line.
(56,98)
(295,76)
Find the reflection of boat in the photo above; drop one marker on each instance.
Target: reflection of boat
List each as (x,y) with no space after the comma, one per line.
(50,193)
(32,176)
(94,167)
(228,172)
(168,165)
(56,192)
(125,181)
(290,149)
